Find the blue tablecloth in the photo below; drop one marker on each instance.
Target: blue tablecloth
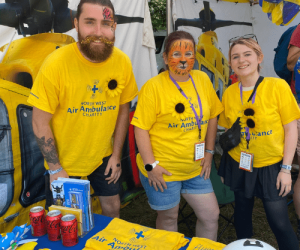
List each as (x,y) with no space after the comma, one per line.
(100,223)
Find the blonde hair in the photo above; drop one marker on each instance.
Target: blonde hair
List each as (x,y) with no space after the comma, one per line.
(250,43)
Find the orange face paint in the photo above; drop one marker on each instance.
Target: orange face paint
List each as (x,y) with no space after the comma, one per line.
(181,57)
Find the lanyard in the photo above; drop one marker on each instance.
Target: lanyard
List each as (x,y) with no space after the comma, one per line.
(241,94)
(253,95)
(199,120)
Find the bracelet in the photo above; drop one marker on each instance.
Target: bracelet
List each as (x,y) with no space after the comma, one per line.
(210,151)
(51,172)
(285,172)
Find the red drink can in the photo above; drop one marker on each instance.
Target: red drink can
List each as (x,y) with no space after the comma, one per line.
(69,231)
(53,225)
(37,221)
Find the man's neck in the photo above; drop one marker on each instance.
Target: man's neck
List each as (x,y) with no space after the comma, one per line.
(88,59)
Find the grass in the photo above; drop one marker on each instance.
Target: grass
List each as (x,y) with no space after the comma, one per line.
(139,211)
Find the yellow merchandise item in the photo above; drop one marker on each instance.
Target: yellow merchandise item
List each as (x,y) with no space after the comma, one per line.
(173,135)
(68,210)
(202,244)
(274,107)
(84,98)
(27,246)
(120,234)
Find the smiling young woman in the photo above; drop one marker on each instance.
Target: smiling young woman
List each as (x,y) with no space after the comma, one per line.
(175,128)
(260,165)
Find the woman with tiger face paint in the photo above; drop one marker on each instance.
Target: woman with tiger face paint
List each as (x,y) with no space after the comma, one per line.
(175,128)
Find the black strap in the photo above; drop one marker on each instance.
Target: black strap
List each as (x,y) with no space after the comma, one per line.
(259,80)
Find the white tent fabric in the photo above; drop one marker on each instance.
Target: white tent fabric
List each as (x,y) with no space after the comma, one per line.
(267,33)
(135,39)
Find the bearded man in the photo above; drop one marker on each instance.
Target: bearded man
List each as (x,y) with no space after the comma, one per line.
(80,101)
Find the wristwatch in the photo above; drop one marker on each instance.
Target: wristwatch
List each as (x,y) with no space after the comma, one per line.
(288,167)
(51,172)
(149,167)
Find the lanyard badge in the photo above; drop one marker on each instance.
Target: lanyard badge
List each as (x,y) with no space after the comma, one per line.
(199,150)
(246,161)
(199,146)
(246,158)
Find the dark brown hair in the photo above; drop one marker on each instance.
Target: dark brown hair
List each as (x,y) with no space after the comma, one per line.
(106,3)
(174,36)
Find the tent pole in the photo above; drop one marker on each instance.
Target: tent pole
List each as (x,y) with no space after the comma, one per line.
(169,17)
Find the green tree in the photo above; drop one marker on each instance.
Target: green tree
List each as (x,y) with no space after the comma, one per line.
(158,13)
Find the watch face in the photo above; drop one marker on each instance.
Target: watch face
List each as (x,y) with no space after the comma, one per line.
(148,167)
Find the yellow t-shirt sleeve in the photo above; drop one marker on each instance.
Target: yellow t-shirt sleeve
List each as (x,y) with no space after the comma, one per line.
(222,119)
(131,90)
(44,94)
(288,107)
(145,114)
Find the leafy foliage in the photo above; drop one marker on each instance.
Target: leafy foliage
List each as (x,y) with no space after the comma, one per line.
(158,11)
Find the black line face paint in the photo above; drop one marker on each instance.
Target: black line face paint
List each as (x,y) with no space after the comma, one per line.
(181,57)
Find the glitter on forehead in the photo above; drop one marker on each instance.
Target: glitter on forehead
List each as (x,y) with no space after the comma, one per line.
(107,14)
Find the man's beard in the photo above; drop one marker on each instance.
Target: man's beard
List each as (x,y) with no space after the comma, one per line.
(96,53)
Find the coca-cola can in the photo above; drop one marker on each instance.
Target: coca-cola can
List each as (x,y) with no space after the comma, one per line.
(69,231)
(37,221)
(53,225)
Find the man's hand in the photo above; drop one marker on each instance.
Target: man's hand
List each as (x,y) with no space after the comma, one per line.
(114,164)
(206,165)
(284,182)
(54,177)
(156,179)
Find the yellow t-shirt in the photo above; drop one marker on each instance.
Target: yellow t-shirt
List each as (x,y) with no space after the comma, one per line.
(173,139)
(120,234)
(84,110)
(276,106)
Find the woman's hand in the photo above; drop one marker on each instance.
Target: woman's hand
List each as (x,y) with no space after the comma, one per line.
(156,179)
(206,165)
(284,182)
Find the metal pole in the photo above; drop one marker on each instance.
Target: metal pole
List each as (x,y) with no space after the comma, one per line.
(169,17)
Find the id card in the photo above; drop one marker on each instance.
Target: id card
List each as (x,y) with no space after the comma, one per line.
(246,161)
(199,150)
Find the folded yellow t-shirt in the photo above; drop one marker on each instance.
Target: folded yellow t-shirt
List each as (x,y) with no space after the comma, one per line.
(123,235)
(203,244)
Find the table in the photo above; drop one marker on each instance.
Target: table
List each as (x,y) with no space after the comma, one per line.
(101,222)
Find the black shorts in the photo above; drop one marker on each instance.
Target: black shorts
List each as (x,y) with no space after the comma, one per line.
(97,180)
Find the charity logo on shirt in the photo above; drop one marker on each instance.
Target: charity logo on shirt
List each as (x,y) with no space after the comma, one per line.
(90,109)
(135,238)
(188,122)
(94,89)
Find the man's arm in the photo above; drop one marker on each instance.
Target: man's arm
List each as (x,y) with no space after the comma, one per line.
(45,140)
(121,129)
(293,56)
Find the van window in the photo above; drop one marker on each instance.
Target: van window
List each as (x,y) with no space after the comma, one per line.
(209,73)
(32,160)
(6,161)
(221,85)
